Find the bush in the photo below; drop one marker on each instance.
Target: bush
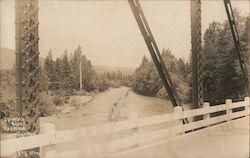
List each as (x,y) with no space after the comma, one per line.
(46,105)
(58,100)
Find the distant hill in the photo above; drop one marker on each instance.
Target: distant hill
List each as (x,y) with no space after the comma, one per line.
(7,58)
(104,68)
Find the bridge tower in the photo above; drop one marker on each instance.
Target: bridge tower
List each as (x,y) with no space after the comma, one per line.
(27,62)
(197,86)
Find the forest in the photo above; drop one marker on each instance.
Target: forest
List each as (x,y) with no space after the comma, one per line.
(63,74)
(221,73)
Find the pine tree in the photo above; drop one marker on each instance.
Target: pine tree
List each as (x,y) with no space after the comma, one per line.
(220,62)
(146,79)
(49,67)
(43,78)
(66,72)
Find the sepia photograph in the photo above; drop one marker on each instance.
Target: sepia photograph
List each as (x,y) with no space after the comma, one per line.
(124,78)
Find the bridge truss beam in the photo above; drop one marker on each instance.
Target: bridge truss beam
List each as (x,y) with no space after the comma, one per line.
(197,85)
(154,51)
(27,64)
(236,38)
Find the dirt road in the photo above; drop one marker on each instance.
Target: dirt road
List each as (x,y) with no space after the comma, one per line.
(122,100)
(112,105)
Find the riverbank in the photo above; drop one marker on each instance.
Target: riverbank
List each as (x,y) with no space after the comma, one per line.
(73,104)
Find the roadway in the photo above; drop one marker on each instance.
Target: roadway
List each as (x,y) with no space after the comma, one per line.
(99,109)
(224,140)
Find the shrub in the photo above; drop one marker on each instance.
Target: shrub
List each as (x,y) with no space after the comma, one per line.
(46,105)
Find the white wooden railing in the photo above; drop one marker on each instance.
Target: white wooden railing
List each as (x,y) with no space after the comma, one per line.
(137,132)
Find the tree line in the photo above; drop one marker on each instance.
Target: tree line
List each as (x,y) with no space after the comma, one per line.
(221,73)
(147,81)
(63,74)
(222,76)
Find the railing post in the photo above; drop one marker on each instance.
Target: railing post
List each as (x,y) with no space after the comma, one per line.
(6,137)
(206,106)
(247,102)
(49,150)
(229,110)
(178,116)
(206,116)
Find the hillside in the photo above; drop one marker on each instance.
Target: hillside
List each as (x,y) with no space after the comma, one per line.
(7,58)
(104,68)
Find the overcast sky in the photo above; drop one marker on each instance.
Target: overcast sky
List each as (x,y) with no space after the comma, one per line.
(107,30)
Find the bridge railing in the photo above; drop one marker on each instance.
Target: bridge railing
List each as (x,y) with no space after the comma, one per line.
(124,135)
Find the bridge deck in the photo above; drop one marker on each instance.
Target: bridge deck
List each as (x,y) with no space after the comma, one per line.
(224,140)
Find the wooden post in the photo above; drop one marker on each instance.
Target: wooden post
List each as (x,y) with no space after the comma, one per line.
(229,109)
(247,102)
(48,151)
(178,116)
(206,116)
(206,106)
(6,137)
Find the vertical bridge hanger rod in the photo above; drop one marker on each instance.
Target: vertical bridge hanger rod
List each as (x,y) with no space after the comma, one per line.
(154,51)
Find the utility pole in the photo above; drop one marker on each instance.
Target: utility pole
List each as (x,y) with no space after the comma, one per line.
(80,75)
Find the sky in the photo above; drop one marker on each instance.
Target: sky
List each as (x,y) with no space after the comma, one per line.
(107,31)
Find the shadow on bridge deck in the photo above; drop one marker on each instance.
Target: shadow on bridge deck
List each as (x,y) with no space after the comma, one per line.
(223,140)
